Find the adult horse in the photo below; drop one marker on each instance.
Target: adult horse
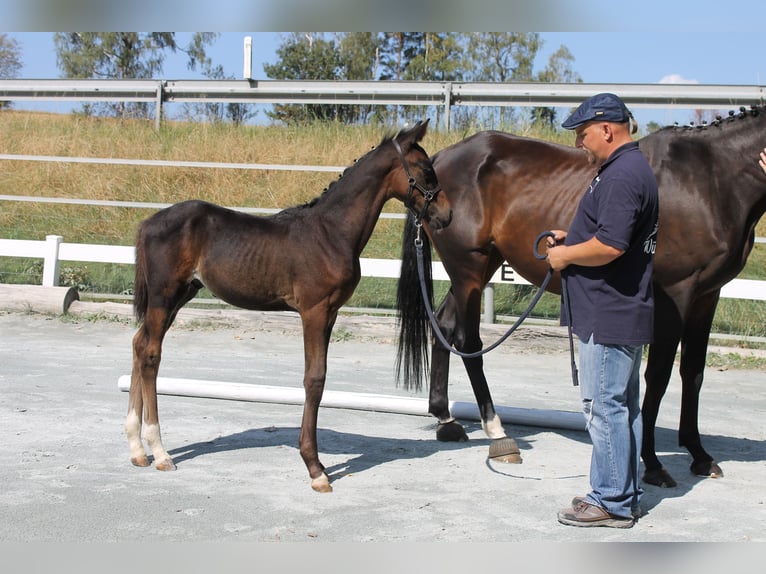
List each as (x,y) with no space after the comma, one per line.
(304,259)
(505,190)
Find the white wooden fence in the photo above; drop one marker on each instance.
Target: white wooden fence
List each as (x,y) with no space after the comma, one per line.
(53,250)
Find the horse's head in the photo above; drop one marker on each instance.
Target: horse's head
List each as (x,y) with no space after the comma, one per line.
(420,191)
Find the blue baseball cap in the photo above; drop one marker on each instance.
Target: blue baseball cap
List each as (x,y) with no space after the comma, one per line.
(604,107)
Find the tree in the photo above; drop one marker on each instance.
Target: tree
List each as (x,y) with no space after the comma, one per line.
(122,55)
(558,70)
(10,60)
(236,113)
(359,59)
(501,57)
(305,56)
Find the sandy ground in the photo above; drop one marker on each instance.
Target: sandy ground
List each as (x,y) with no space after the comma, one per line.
(66,476)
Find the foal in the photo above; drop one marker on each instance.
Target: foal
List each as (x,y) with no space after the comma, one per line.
(304,259)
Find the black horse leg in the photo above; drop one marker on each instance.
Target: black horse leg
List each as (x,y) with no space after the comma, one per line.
(659,367)
(502,448)
(449,430)
(658,371)
(693,352)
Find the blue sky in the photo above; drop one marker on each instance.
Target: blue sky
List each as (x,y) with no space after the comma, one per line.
(703,57)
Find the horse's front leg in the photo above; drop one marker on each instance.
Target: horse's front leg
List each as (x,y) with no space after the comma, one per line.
(448,429)
(142,402)
(694,343)
(317,328)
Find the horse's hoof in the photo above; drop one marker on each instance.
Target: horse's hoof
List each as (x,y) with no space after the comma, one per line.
(659,478)
(321,483)
(452,431)
(166,464)
(505,450)
(140,460)
(707,469)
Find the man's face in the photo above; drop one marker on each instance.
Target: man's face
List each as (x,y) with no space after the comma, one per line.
(589,137)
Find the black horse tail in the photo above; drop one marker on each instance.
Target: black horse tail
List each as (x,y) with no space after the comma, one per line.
(412,358)
(140,295)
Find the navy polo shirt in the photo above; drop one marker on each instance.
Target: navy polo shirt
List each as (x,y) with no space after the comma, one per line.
(615,302)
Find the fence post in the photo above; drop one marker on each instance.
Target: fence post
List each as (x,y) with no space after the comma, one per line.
(489,303)
(447,105)
(158,105)
(51,260)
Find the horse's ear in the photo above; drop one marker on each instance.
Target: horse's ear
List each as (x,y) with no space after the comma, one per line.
(414,134)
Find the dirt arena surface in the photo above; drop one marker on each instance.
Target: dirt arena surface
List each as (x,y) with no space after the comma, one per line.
(66,475)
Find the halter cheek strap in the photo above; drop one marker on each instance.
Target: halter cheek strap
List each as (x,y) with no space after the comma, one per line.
(429,195)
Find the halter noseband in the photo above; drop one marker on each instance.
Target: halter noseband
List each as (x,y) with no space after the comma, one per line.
(428,195)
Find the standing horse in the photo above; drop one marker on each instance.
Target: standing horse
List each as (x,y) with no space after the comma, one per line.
(505,190)
(304,259)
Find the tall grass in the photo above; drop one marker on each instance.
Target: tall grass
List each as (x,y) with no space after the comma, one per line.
(36,133)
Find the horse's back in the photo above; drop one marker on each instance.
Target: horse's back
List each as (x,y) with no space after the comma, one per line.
(190,216)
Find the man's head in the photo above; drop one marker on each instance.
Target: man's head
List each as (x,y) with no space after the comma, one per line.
(601,124)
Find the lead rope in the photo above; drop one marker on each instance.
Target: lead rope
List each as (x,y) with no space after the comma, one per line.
(440,336)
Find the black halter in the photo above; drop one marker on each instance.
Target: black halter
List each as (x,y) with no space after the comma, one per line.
(428,195)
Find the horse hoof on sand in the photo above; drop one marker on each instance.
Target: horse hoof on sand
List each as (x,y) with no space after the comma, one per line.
(140,460)
(451,432)
(165,465)
(505,450)
(708,469)
(659,478)
(321,484)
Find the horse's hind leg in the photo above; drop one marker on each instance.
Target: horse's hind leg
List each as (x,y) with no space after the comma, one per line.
(142,402)
(448,430)
(694,343)
(502,448)
(659,367)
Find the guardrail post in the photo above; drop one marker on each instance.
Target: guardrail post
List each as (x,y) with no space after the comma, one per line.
(158,105)
(51,260)
(489,303)
(447,105)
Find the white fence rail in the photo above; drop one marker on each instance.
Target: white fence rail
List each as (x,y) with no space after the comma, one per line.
(53,250)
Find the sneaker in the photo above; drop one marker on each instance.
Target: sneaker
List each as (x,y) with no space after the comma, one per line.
(636,512)
(585,514)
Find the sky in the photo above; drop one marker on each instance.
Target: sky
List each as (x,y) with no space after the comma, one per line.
(703,42)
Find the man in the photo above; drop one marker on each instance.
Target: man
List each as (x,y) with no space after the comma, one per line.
(606,260)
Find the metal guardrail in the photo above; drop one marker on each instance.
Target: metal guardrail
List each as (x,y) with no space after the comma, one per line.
(444,94)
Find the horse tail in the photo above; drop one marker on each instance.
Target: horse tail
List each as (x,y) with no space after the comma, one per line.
(412,359)
(140,295)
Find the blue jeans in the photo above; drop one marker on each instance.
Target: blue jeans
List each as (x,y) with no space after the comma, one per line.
(610,391)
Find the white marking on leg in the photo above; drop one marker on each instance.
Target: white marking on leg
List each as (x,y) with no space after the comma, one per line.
(154,440)
(494,428)
(133,430)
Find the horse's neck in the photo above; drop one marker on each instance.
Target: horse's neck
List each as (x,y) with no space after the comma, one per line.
(737,150)
(351,209)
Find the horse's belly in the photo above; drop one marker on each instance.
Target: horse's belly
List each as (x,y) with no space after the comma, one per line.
(246,292)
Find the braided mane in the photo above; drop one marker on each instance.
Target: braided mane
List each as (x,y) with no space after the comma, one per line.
(719,121)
